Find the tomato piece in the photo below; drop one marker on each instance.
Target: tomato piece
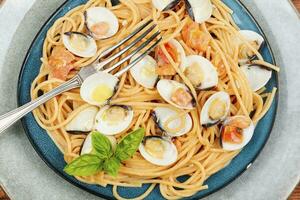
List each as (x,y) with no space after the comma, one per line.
(194,37)
(232,134)
(60,52)
(60,63)
(162,58)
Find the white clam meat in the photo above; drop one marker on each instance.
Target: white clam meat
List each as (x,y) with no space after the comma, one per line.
(83,121)
(99,88)
(176,94)
(87,146)
(171,122)
(215,109)
(101,22)
(113,119)
(144,72)
(158,150)
(199,10)
(80,44)
(257,76)
(200,71)
(236,135)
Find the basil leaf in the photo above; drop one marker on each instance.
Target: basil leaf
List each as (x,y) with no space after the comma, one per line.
(111,166)
(101,145)
(129,144)
(85,165)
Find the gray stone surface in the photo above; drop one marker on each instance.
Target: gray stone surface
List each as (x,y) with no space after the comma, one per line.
(272,176)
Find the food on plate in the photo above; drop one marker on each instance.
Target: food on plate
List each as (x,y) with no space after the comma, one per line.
(215,109)
(186,109)
(113,119)
(236,132)
(101,22)
(80,44)
(84,120)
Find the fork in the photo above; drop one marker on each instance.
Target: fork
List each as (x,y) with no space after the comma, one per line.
(11,117)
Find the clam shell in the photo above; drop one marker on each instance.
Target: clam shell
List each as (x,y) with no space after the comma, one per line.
(91,49)
(169,157)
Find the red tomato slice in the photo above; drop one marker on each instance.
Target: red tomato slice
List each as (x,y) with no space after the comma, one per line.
(162,58)
(232,135)
(60,62)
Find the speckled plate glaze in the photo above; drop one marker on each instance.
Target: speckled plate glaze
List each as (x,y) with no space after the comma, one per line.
(47,150)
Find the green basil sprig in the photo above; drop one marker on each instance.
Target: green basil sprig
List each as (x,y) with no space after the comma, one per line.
(102,156)
(129,144)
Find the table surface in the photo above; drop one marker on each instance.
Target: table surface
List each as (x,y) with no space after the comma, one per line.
(296,193)
(294,196)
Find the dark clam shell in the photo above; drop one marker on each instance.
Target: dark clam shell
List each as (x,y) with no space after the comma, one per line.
(77,33)
(211,124)
(189,9)
(171,5)
(153,136)
(157,121)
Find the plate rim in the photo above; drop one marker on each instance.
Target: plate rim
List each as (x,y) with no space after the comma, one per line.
(53,168)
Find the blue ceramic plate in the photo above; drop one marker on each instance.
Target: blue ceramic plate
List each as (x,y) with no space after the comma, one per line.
(54,158)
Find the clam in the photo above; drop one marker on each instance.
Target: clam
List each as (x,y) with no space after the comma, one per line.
(99,88)
(113,119)
(176,51)
(176,94)
(215,109)
(255,40)
(144,72)
(83,121)
(236,132)
(158,150)
(87,146)
(163,5)
(257,76)
(167,120)
(199,10)
(80,44)
(101,22)
(200,71)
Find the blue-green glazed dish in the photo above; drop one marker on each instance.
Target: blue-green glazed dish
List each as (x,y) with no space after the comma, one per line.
(47,150)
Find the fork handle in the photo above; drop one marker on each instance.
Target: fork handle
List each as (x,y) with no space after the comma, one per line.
(11,117)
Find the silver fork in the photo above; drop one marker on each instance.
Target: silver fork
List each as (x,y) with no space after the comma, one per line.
(11,117)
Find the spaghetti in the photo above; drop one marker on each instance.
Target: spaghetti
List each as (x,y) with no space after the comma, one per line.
(199,152)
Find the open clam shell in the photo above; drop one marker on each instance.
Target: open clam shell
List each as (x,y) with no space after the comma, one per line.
(200,71)
(144,72)
(80,44)
(99,88)
(257,76)
(176,94)
(199,10)
(83,121)
(158,150)
(113,119)
(177,126)
(246,134)
(215,109)
(101,22)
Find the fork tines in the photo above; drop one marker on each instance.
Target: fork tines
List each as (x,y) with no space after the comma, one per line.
(152,38)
